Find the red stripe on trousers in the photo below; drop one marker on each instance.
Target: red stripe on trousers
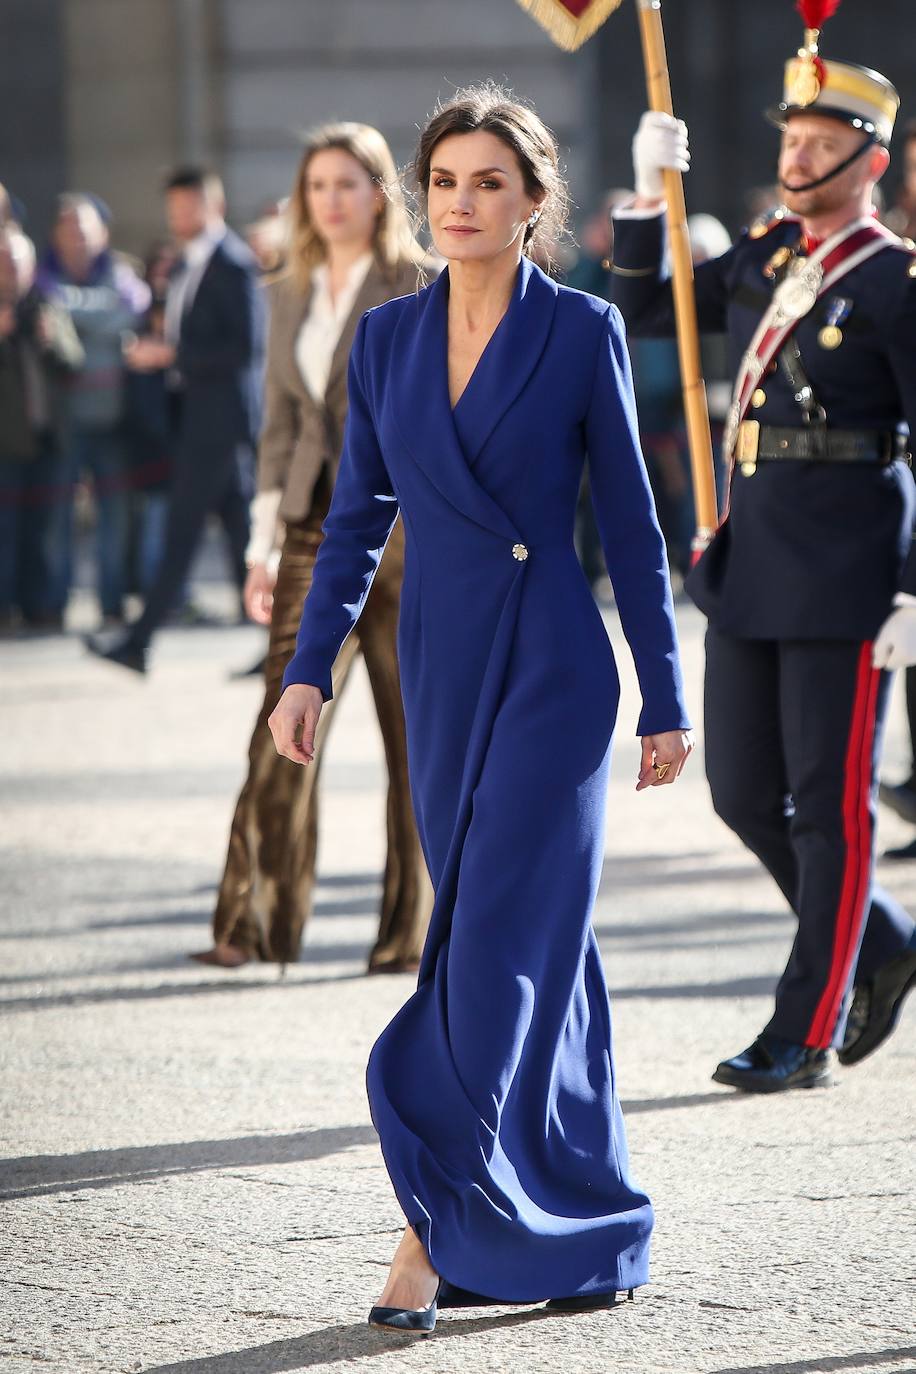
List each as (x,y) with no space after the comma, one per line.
(857,836)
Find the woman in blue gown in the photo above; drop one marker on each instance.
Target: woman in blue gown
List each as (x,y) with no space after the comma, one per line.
(473,406)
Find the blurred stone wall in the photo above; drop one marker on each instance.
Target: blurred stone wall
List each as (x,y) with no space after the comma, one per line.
(33,155)
(104,95)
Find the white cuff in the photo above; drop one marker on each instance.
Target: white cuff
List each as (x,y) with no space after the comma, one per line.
(262,541)
(628,211)
(904,599)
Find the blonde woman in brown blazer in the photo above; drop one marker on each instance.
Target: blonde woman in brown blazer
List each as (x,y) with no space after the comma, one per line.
(351,249)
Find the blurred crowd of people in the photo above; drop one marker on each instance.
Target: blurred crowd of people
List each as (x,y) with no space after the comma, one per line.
(88,426)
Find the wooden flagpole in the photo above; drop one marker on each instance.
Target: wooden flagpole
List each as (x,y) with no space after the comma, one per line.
(570,23)
(688,336)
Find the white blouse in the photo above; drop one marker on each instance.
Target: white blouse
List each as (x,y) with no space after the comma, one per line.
(314,350)
(322,326)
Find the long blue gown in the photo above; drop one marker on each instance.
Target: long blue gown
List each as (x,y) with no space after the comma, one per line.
(493,1088)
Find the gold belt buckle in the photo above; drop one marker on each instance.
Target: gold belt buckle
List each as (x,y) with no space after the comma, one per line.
(746,446)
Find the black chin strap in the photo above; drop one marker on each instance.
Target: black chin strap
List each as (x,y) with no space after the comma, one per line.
(870,142)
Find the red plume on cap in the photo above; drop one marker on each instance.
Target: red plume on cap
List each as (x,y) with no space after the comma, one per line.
(815,12)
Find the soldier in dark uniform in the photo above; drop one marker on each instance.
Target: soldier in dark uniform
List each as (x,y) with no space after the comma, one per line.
(810,583)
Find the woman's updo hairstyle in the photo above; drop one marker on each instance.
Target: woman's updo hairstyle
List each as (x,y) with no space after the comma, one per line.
(491,109)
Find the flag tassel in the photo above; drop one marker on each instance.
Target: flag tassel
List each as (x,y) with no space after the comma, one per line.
(570,23)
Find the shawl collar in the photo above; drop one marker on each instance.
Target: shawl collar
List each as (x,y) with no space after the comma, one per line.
(508,360)
(446,443)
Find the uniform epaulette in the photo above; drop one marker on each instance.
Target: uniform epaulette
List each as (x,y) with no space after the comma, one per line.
(907,246)
(769,220)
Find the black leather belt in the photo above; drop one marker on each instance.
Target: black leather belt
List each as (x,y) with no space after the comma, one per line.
(818,445)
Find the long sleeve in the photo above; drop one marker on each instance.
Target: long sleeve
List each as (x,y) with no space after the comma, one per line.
(242,321)
(641,285)
(362,515)
(280,427)
(630,535)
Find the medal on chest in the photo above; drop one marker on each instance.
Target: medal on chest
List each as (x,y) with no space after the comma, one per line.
(796,294)
(830,336)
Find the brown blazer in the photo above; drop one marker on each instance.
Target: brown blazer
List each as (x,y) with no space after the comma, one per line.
(300,436)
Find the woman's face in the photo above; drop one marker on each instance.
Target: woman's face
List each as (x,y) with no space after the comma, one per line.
(342,200)
(477,201)
(79,236)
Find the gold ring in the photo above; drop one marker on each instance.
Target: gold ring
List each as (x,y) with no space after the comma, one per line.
(660,769)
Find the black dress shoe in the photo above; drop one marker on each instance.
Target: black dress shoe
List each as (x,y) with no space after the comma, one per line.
(121,650)
(406,1320)
(905,851)
(773,1065)
(592,1302)
(901,798)
(876,1006)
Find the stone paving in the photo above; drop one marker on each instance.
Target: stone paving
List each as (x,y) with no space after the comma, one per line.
(190,1181)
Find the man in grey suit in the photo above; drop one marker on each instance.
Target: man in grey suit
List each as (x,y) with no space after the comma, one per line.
(214,326)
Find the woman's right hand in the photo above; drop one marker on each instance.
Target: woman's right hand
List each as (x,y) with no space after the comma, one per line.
(258,594)
(294,720)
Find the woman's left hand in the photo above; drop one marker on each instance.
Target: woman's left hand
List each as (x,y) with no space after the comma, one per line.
(663,758)
(258,595)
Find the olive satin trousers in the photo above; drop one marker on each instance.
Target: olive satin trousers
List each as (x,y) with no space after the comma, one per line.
(265,896)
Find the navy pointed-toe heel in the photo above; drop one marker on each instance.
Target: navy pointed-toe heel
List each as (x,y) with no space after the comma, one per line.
(592,1302)
(408,1321)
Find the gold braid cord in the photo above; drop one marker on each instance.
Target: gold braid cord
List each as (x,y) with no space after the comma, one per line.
(568,29)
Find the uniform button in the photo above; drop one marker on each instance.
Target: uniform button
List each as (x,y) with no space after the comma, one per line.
(758,398)
(519,552)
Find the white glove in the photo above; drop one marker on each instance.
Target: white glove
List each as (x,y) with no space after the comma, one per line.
(659,142)
(895,646)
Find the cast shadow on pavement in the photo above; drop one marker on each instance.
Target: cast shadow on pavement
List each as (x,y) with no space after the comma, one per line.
(644,871)
(201,916)
(862,1360)
(42,1001)
(367,905)
(315,956)
(40,1175)
(730,921)
(633,1106)
(116,785)
(735,987)
(333,1344)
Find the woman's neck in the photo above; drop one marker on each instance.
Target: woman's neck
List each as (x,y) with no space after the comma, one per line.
(481,291)
(342,256)
(340,261)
